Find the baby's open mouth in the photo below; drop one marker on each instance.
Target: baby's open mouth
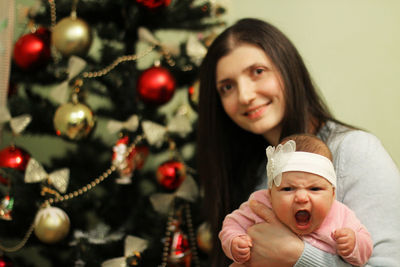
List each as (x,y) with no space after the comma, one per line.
(302,217)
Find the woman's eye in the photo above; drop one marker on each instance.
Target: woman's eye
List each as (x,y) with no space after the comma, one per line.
(258,71)
(225,88)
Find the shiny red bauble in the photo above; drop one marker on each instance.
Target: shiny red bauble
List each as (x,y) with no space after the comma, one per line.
(13,157)
(5,261)
(32,50)
(171,174)
(156,85)
(152,4)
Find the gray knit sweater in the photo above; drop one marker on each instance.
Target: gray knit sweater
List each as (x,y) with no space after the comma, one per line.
(369,183)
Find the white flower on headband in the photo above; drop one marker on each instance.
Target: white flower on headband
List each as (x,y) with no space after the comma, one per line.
(277,158)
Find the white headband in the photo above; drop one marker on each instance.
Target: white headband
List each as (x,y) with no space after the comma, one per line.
(285,158)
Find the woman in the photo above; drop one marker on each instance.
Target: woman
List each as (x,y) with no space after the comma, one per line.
(254,91)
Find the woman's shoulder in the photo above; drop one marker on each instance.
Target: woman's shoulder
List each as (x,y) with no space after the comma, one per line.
(341,138)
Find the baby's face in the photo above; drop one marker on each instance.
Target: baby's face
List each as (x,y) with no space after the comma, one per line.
(302,201)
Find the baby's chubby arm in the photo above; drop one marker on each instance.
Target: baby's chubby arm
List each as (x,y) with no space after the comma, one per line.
(240,248)
(346,241)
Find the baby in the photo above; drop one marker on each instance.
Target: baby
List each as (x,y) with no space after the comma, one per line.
(301,192)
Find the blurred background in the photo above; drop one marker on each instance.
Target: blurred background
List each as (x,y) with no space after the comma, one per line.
(97,148)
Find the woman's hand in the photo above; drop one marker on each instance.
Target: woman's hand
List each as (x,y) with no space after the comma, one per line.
(273,243)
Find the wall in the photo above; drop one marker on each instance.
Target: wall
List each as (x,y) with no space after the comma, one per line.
(352,49)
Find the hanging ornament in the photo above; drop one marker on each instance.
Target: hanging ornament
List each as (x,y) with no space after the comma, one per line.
(18,123)
(134,246)
(194,93)
(127,163)
(156,134)
(131,124)
(195,49)
(51,225)
(72,36)
(6,206)
(188,191)
(179,253)
(204,237)
(32,50)
(171,174)
(13,157)
(35,173)
(154,4)
(156,85)
(60,92)
(5,261)
(74,120)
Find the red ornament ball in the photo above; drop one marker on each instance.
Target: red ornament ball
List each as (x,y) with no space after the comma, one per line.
(32,50)
(156,85)
(153,4)
(171,174)
(5,261)
(13,157)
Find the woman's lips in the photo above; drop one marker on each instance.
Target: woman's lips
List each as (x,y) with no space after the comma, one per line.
(255,112)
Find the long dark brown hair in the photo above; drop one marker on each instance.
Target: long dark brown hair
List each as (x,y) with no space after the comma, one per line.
(228,156)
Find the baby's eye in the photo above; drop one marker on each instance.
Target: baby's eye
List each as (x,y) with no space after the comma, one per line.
(287,189)
(315,188)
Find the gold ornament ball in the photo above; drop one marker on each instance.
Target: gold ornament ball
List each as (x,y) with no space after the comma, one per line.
(74,121)
(72,36)
(51,225)
(204,237)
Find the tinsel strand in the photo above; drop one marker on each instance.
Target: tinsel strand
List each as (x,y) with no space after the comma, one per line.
(116,62)
(192,237)
(20,244)
(167,238)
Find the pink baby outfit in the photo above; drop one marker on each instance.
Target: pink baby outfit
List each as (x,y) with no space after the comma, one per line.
(340,216)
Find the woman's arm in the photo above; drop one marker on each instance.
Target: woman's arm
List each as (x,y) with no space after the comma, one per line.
(369,184)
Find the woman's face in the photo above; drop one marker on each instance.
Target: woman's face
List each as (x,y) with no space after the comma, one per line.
(251,91)
(302,201)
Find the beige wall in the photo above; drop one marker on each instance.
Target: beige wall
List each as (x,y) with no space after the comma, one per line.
(352,49)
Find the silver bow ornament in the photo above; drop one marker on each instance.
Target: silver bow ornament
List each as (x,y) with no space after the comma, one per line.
(155,133)
(146,36)
(277,159)
(133,245)
(99,235)
(35,173)
(60,92)
(195,49)
(188,190)
(131,124)
(18,123)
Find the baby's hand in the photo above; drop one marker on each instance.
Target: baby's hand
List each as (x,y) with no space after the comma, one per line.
(241,248)
(345,240)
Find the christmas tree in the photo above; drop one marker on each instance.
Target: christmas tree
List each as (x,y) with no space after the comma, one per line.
(110,88)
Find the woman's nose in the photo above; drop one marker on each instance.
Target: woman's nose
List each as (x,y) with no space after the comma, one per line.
(301,196)
(246,92)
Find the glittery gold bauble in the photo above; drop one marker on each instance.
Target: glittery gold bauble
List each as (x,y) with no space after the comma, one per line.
(72,36)
(74,121)
(204,237)
(51,225)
